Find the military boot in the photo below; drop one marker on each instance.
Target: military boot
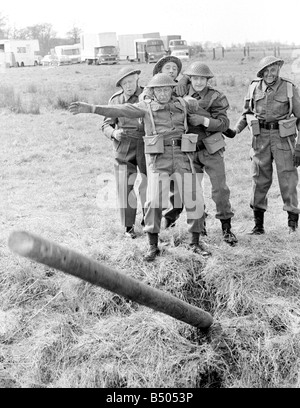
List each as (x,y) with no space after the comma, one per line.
(197,246)
(259,223)
(292,221)
(153,250)
(228,235)
(130,233)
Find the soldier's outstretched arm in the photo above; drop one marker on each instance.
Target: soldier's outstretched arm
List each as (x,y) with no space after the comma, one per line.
(126,110)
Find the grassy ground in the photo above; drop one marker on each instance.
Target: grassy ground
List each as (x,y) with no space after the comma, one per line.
(58,331)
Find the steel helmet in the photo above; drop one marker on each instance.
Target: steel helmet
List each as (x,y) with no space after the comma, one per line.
(161,80)
(164,60)
(266,62)
(124,72)
(199,69)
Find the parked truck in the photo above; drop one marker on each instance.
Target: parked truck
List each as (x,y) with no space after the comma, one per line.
(127,46)
(19,53)
(99,48)
(167,38)
(149,49)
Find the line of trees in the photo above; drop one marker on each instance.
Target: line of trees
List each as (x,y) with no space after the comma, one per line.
(43,32)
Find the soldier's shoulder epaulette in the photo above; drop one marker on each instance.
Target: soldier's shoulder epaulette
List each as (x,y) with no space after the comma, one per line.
(288,80)
(115,95)
(256,80)
(214,90)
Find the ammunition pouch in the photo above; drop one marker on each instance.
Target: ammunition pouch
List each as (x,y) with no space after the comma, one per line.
(253,124)
(154,144)
(214,142)
(287,127)
(189,142)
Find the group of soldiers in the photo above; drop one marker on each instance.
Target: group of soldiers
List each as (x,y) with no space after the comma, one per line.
(171,132)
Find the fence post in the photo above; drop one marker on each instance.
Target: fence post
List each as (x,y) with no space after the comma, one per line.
(49,253)
(223,52)
(214,53)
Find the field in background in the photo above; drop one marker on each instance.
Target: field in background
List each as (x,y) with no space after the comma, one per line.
(57,331)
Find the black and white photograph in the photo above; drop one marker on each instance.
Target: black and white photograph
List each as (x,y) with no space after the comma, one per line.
(149,197)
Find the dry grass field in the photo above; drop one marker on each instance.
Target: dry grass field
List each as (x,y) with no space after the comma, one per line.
(57,331)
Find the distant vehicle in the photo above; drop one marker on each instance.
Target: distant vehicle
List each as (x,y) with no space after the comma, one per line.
(107,54)
(20,53)
(178,45)
(100,48)
(126,44)
(149,49)
(183,55)
(73,52)
(167,38)
(55,60)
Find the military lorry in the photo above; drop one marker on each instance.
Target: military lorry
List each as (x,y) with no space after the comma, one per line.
(99,48)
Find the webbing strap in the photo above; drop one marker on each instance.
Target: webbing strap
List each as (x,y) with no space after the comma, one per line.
(185,113)
(152,120)
(290,96)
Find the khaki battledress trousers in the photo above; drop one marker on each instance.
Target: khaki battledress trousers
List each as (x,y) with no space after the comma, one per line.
(267,148)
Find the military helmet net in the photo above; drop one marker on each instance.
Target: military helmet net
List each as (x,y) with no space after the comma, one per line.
(199,69)
(266,62)
(124,72)
(161,80)
(164,60)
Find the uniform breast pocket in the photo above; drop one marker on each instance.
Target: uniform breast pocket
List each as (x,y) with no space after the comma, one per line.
(260,103)
(281,105)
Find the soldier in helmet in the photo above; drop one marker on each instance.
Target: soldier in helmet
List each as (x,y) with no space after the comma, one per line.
(171,66)
(127,139)
(211,117)
(272,112)
(165,123)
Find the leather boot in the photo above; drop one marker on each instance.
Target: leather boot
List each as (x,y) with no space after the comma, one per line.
(130,233)
(153,250)
(197,246)
(259,223)
(228,235)
(292,221)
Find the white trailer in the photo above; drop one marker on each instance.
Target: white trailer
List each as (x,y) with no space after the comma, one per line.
(99,48)
(127,46)
(20,53)
(72,52)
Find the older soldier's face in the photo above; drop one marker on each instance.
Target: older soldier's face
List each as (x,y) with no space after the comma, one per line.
(271,73)
(163,93)
(129,84)
(171,69)
(198,82)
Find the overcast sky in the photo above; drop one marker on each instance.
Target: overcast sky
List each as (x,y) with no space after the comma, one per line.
(227,21)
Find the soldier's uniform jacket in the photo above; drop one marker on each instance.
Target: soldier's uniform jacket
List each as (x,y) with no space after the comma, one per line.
(213,105)
(131,126)
(168,118)
(269,106)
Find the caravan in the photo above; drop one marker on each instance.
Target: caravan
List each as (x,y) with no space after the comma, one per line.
(19,53)
(72,53)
